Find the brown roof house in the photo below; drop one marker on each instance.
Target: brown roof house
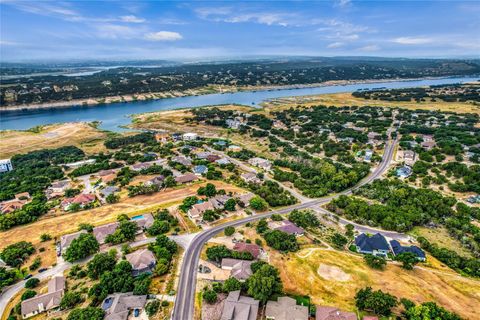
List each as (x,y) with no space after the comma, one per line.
(240,269)
(47,301)
(144,221)
(248,247)
(332,313)
(57,189)
(11,205)
(142,261)
(237,307)
(117,306)
(101,232)
(285,308)
(188,177)
(250,177)
(82,199)
(197,210)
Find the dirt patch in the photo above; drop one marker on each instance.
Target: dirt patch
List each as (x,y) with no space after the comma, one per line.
(332,273)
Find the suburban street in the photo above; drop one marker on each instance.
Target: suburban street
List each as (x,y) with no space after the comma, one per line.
(184,304)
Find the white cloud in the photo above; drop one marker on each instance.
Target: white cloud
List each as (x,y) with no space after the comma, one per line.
(342,3)
(335,45)
(131,19)
(115,31)
(369,48)
(412,40)
(226,14)
(163,36)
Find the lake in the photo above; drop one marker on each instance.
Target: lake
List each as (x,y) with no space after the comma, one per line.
(117,114)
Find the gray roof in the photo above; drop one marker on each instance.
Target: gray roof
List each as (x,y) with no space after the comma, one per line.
(145,222)
(332,313)
(67,239)
(241,269)
(375,242)
(237,307)
(46,301)
(285,308)
(290,228)
(117,306)
(141,259)
(101,232)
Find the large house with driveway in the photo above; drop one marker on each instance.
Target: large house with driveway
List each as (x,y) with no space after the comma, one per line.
(376,245)
(142,261)
(46,301)
(237,307)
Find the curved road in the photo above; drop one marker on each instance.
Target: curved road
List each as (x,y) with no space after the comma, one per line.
(184,304)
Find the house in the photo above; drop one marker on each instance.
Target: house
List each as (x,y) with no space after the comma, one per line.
(245,198)
(233,123)
(155,181)
(403,172)
(142,261)
(144,221)
(219,201)
(182,160)
(237,307)
(239,269)
(67,239)
(101,232)
(220,143)
(5,165)
(197,210)
(141,166)
(285,308)
(109,177)
(82,199)
(248,247)
(474,199)
(397,249)
(222,161)
(47,301)
(332,313)
(234,148)
(105,192)
(213,158)
(190,136)
(368,155)
(373,138)
(428,145)
(117,306)
(250,177)
(199,170)
(188,177)
(162,137)
(203,155)
(261,163)
(78,164)
(409,157)
(12,205)
(376,245)
(287,227)
(57,189)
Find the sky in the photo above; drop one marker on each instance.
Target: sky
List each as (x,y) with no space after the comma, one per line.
(201,30)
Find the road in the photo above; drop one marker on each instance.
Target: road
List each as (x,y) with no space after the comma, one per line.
(184,305)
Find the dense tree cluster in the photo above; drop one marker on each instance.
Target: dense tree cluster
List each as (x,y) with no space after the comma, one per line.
(219,252)
(81,247)
(281,241)
(15,254)
(164,249)
(304,218)
(273,193)
(378,302)
(117,142)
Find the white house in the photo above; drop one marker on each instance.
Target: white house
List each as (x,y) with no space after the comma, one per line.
(5,165)
(189,136)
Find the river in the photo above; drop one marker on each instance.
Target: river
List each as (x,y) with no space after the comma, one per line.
(114,115)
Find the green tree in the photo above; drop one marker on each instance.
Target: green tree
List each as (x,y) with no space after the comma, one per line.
(280,240)
(209,296)
(232,284)
(89,313)
(112,198)
(377,302)
(375,262)
(82,247)
(45,237)
(408,259)
(70,299)
(100,263)
(338,240)
(264,283)
(258,203)
(304,218)
(85,226)
(187,203)
(28,294)
(32,283)
(15,254)
(209,190)
(229,231)
(158,227)
(230,205)
(152,307)
(262,226)
(429,310)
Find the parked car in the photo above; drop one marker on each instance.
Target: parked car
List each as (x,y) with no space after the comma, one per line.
(28,277)
(42,269)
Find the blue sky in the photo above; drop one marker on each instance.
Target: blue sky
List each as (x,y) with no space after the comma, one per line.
(199,30)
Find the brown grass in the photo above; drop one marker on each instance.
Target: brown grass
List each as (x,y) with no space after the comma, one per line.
(346,99)
(448,289)
(441,237)
(68,222)
(79,134)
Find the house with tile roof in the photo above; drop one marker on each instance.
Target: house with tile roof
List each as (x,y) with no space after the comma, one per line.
(82,199)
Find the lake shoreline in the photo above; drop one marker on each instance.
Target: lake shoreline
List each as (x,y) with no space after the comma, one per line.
(92,102)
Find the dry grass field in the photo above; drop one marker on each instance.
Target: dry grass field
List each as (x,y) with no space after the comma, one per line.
(346,99)
(332,278)
(441,237)
(68,222)
(80,134)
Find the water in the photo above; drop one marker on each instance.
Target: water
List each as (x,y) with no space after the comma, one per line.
(117,114)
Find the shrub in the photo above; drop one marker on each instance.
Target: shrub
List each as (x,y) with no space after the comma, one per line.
(229,231)
(32,283)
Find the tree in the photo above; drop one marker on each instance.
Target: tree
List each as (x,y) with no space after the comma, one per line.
(89,313)
(85,226)
(349,233)
(100,263)
(112,198)
(125,231)
(230,205)
(429,310)
(209,296)
(142,283)
(262,226)
(338,240)
(209,190)
(229,231)
(264,283)
(28,294)
(45,237)
(8,276)
(187,203)
(70,299)
(408,259)
(280,240)
(152,307)
(375,262)
(376,301)
(32,283)
(232,284)
(158,227)
(258,203)
(15,254)
(82,247)
(304,218)
(217,253)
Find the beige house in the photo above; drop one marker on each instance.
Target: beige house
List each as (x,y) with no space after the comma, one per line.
(332,313)
(118,305)
(285,308)
(101,232)
(237,307)
(142,261)
(239,269)
(47,301)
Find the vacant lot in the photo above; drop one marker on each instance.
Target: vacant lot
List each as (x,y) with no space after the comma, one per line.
(346,99)
(68,222)
(309,272)
(80,134)
(441,237)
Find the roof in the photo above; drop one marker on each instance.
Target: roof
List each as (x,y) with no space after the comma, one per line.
(105,172)
(117,306)
(247,247)
(142,165)
(398,248)
(22,195)
(56,283)
(213,157)
(241,269)
(290,228)
(67,239)
(81,199)
(332,313)
(46,301)
(146,221)
(60,184)
(285,308)
(200,169)
(109,190)
(141,259)
(222,161)
(246,197)
(237,307)
(375,242)
(101,232)
(182,160)
(11,205)
(199,208)
(188,177)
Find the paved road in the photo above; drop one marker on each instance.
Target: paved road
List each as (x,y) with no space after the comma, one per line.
(184,306)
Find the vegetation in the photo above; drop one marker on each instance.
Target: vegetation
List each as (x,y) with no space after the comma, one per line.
(219,252)
(82,247)
(32,283)
(229,231)
(281,241)
(375,262)
(377,302)
(272,193)
(15,254)
(264,283)
(408,260)
(88,313)
(164,249)
(304,218)
(100,263)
